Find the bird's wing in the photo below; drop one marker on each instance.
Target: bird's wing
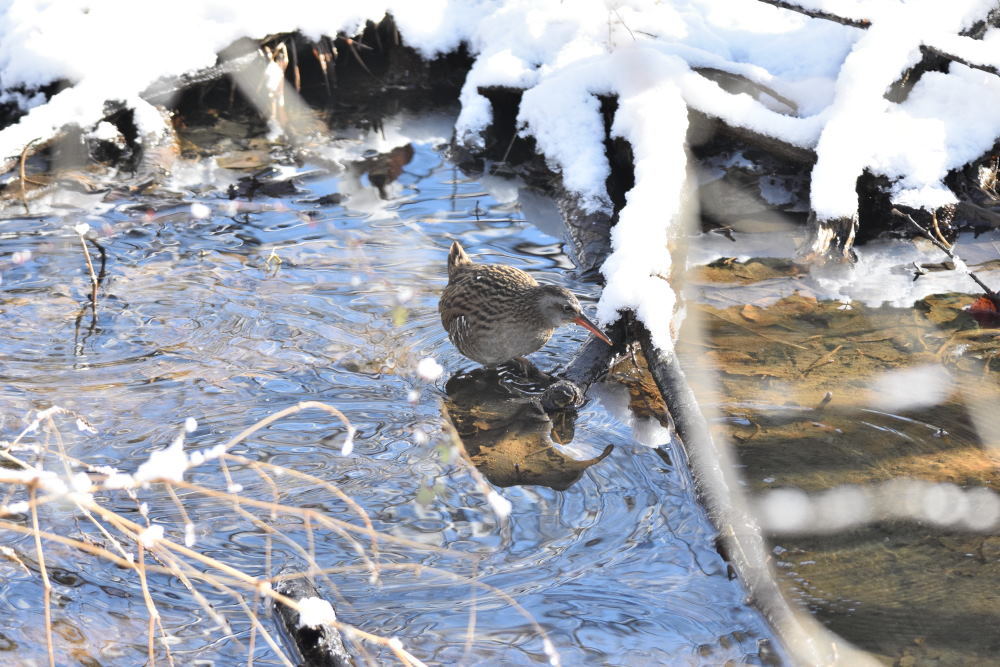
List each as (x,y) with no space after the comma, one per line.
(459,332)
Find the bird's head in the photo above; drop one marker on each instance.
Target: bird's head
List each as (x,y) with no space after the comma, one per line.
(557,306)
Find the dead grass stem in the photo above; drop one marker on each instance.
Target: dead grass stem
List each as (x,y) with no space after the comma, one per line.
(205,574)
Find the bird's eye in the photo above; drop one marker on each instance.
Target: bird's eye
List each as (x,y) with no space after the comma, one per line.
(567,308)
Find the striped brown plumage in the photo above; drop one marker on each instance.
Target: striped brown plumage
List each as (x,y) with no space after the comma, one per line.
(494,313)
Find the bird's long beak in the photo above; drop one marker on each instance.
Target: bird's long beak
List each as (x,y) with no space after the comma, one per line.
(590,326)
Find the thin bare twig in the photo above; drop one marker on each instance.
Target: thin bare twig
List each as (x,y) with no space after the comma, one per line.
(822,361)
(46,584)
(959,262)
(150,606)
(90,270)
(281,414)
(352,47)
(166,557)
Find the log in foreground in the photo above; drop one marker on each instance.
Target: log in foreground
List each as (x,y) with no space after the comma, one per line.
(321,646)
(706,467)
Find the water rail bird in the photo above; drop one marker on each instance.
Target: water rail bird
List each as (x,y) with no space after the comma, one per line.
(494,313)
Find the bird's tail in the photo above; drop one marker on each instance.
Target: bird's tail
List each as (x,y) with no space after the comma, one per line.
(457,258)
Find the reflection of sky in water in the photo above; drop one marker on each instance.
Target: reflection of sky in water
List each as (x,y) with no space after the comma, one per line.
(195,320)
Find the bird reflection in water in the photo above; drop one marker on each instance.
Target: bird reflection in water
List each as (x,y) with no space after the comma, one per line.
(384,168)
(507,432)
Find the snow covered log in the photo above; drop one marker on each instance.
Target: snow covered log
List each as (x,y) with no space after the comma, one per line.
(578,87)
(819,13)
(44,90)
(799,79)
(903,44)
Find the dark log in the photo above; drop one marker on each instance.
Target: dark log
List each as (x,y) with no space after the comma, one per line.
(830,240)
(819,14)
(314,647)
(592,361)
(935,51)
(162,91)
(588,235)
(589,365)
(979,28)
(702,126)
(501,139)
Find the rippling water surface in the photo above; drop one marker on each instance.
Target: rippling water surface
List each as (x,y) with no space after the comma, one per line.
(231,317)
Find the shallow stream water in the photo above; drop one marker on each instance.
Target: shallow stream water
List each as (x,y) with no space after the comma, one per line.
(228,310)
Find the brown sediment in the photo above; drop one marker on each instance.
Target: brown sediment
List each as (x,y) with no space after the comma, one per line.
(909,592)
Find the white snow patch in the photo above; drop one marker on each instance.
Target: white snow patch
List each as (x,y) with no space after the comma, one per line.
(572,140)
(200,211)
(500,505)
(314,612)
(348,446)
(213,452)
(637,268)
(20,507)
(166,464)
(429,369)
(83,426)
(80,482)
(105,131)
(115,479)
(45,480)
(912,139)
(148,537)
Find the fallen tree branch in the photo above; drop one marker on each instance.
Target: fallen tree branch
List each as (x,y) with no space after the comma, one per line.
(819,14)
(699,121)
(865,23)
(926,49)
(730,80)
(161,91)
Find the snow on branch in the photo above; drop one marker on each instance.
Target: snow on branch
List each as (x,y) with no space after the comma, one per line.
(914,143)
(811,9)
(817,74)
(982,54)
